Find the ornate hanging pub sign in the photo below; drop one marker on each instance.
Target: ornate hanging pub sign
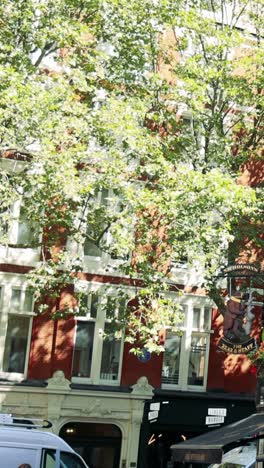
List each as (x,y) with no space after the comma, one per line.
(239,310)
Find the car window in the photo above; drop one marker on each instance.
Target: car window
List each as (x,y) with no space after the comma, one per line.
(49,458)
(70,460)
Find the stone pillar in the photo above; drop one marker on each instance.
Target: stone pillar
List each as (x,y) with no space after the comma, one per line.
(57,387)
(141,392)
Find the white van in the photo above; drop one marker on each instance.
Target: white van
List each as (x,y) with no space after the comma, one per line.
(24,446)
(239,457)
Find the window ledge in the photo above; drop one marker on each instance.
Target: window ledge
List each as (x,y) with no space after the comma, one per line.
(185,388)
(12,376)
(100,387)
(24,383)
(13,255)
(102,265)
(86,381)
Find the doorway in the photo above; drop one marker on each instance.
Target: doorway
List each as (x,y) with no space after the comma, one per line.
(98,444)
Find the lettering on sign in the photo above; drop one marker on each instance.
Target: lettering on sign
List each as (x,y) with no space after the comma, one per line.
(217,411)
(189,457)
(154,406)
(239,267)
(236,348)
(214,420)
(153,415)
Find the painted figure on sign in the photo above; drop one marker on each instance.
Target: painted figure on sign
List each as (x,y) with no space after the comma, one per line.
(234,317)
(249,315)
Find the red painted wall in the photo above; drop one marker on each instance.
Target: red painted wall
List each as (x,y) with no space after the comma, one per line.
(52,340)
(133,368)
(252,173)
(51,347)
(229,372)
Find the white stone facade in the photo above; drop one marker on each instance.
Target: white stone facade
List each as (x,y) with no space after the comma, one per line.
(60,404)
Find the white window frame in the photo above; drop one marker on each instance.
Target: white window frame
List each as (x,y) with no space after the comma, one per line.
(17,255)
(7,284)
(103,256)
(103,292)
(16,221)
(187,331)
(102,263)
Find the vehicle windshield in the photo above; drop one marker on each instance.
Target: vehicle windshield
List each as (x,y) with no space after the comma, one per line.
(228,465)
(239,457)
(70,460)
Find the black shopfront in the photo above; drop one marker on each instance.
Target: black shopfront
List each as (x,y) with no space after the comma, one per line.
(172,417)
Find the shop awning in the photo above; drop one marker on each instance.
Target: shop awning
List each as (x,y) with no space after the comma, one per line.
(208,448)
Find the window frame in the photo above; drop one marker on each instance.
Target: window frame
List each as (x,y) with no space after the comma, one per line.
(58,453)
(100,263)
(16,253)
(98,338)
(187,333)
(7,285)
(97,202)
(17,221)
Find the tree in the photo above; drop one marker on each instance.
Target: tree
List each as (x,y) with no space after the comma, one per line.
(93,96)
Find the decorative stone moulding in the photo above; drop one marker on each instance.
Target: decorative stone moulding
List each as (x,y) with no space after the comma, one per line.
(142,387)
(58,381)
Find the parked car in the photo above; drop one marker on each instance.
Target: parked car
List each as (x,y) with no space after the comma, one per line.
(22,445)
(239,457)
